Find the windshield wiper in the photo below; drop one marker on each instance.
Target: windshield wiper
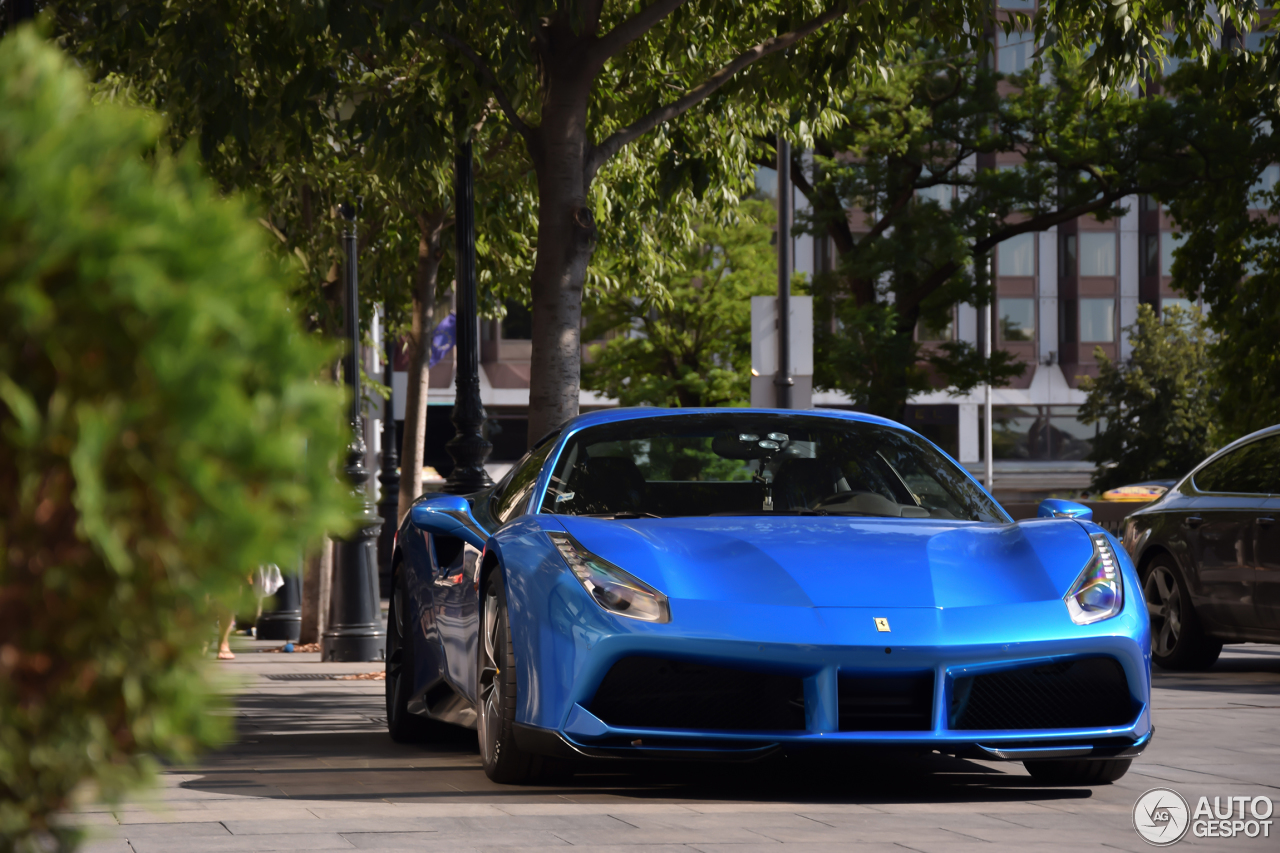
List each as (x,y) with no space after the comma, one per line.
(626,513)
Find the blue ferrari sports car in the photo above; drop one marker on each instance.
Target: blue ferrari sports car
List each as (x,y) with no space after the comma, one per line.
(731,583)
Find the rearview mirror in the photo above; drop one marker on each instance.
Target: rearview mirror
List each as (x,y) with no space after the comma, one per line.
(1055,508)
(448,515)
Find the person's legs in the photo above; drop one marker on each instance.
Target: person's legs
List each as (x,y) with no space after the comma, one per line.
(228,624)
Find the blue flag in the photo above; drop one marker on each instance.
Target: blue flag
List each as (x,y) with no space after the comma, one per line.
(443,339)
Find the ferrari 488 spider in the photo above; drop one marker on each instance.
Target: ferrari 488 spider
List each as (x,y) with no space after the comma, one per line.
(727,584)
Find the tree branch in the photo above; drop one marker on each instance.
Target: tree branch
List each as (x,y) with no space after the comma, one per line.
(485,72)
(600,154)
(612,43)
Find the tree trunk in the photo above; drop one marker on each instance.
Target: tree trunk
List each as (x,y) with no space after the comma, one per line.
(566,241)
(317,581)
(431,225)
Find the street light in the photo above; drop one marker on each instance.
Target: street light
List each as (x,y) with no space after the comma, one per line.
(469,448)
(782,380)
(355,631)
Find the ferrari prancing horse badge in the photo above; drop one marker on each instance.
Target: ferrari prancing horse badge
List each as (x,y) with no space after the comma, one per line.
(882,624)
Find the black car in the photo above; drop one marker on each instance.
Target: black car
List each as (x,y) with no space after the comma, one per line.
(1208,553)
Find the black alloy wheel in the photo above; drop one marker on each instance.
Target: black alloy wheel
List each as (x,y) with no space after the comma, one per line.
(1177,640)
(1078,772)
(503,760)
(402,725)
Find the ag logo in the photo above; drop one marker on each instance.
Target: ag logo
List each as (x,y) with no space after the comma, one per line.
(1161,816)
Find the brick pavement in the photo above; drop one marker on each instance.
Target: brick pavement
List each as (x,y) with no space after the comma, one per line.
(313,770)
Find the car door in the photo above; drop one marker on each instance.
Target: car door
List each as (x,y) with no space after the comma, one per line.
(456,600)
(1266,533)
(1224,526)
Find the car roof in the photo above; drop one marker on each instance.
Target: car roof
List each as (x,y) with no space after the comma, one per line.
(1239,442)
(628,413)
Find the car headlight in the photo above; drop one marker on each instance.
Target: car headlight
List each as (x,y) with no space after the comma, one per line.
(611,587)
(1099,591)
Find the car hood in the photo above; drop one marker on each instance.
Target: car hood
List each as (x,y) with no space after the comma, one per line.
(807,561)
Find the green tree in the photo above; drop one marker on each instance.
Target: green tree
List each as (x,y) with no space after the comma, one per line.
(689,344)
(925,221)
(583,82)
(1231,254)
(161,434)
(1157,409)
(281,106)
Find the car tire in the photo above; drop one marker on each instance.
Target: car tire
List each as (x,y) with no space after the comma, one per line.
(1098,772)
(1178,642)
(496,693)
(402,725)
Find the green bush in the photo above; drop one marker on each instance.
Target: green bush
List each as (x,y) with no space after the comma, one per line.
(162,432)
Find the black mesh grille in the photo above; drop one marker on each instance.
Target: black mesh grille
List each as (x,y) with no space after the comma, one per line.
(652,693)
(1079,694)
(901,702)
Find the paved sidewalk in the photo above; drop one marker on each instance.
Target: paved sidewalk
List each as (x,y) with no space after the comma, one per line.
(314,770)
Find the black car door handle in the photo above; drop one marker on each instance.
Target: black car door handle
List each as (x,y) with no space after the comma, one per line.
(1266,521)
(1193,521)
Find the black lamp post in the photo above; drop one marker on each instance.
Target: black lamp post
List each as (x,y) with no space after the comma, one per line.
(355,631)
(389,506)
(782,380)
(469,447)
(284,620)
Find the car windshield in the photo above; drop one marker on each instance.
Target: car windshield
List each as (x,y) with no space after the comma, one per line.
(750,464)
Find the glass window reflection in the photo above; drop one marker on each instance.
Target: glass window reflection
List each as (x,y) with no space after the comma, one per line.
(1017,255)
(1017,319)
(1098,253)
(1097,321)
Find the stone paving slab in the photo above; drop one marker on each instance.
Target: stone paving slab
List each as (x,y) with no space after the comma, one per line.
(313,769)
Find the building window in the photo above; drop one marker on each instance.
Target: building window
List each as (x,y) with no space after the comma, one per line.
(1041,432)
(1013,51)
(1017,255)
(1017,319)
(518,324)
(1147,204)
(1184,304)
(1171,62)
(1022,5)
(940,193)
(1067,255)
(1169,242)
(926,331)
(1098,253)
(1151,254)
(1097,321)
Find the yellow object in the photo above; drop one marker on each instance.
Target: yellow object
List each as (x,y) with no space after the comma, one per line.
(1134,493)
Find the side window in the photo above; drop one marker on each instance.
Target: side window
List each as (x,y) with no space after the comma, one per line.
(520,484)
(1253,469)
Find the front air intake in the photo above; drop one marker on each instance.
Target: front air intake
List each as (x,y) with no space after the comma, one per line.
(654,693)
(896,702)
(1088,693)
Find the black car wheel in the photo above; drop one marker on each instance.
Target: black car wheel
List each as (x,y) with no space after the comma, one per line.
(1098,772)
(403,726)
(1177,640)
(496,687)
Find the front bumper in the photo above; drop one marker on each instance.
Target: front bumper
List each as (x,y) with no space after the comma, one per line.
(571,658)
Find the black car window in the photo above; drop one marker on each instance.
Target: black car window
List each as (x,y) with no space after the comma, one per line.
(1253,469)
(520,482)
(752,463)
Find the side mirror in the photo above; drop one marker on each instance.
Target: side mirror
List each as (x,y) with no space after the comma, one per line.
(1054,508)
(448,515)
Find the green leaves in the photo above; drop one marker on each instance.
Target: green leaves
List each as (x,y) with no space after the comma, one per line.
(163,430)
(1155,412)
(689,344)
